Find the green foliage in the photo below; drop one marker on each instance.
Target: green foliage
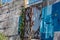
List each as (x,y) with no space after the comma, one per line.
(0,4)
(22,24)
(2,37)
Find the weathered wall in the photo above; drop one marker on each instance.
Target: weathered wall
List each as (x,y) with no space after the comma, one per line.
(10,13)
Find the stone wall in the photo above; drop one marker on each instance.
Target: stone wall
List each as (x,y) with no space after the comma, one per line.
(10,13)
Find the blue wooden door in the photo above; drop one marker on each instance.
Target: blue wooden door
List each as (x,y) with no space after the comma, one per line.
(50,21)
(56,16)
(46,27)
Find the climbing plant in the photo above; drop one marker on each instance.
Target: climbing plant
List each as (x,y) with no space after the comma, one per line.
(2,37)
(0,5)
(22,16)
